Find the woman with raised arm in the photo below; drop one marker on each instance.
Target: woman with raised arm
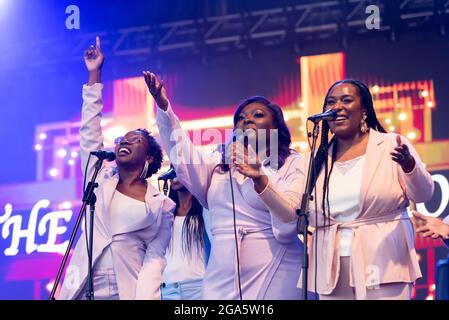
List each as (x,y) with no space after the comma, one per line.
(133,220)
(255,250)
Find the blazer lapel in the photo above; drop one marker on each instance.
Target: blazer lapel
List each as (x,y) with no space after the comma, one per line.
(109,186)
(152,202)
(374,153)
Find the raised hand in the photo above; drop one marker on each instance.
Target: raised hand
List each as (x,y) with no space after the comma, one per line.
(402,156)
(156,88)
(431,226)
(94,57)
(245,160)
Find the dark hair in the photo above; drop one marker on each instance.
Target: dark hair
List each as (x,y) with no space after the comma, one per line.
(193,229)
(154,150)
(279,122)
(322,153)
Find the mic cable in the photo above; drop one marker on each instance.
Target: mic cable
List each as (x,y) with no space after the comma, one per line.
(235,235)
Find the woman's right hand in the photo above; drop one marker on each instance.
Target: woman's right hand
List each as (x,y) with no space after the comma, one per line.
(94,59)
(157,90)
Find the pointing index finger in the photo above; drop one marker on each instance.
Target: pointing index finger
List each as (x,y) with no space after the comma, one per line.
(398,140)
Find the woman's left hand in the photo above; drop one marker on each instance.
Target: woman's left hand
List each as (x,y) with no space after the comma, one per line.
(431,226)
(246,161)
(402,156)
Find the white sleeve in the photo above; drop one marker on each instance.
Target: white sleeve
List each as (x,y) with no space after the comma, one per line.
(193,167)
(282,197)
(150,275)
(91,136)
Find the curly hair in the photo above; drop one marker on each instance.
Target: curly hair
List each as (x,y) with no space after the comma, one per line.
(154,150)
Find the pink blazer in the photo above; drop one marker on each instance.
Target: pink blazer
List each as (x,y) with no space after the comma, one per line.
(383,238)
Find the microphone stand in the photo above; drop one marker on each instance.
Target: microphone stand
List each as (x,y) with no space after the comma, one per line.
(303,212)
(90,199)
(165,187)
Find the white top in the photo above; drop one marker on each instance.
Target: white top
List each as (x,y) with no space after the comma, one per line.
(344,197)
(180,266)
(121,212)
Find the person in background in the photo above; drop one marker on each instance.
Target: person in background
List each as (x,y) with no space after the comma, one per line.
(189,247)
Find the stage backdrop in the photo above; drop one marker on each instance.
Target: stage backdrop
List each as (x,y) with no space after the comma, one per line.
(38,215)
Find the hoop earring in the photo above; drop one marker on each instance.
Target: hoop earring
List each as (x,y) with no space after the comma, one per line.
(364,126)
(144,173)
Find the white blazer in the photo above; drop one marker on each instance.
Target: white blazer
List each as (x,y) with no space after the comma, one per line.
(139,246)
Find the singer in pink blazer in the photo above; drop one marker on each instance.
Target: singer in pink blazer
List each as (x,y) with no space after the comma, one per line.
(132,221)
(366,251)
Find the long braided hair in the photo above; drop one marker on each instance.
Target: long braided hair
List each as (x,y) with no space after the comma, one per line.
(321,157)
(193,229)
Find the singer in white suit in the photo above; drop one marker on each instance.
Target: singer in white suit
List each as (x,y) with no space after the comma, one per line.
(261,257)
(132,221)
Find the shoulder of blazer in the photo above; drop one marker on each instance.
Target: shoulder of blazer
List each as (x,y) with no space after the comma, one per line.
(152,190)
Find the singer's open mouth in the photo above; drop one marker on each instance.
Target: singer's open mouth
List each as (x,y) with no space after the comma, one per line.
(341,118)
(123,151)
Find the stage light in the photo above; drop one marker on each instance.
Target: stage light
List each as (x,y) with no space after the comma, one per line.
(402,116)
(38,147)
(48,286)
(114,132)
(391,128)
(42,135)
(430,104)
(53,172)
(74,154)
(388,120)
(302,105)
(303,146)
(66,205)
(375,88)
(62,153)
(411,135)
(71,162)
(424,93)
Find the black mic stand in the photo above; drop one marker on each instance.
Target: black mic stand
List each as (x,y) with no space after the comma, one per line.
(303,212)
(165,187)
(90,199)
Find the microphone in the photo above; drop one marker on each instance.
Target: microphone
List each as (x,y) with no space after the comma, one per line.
(168,175)
(328,115)
(104,155)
